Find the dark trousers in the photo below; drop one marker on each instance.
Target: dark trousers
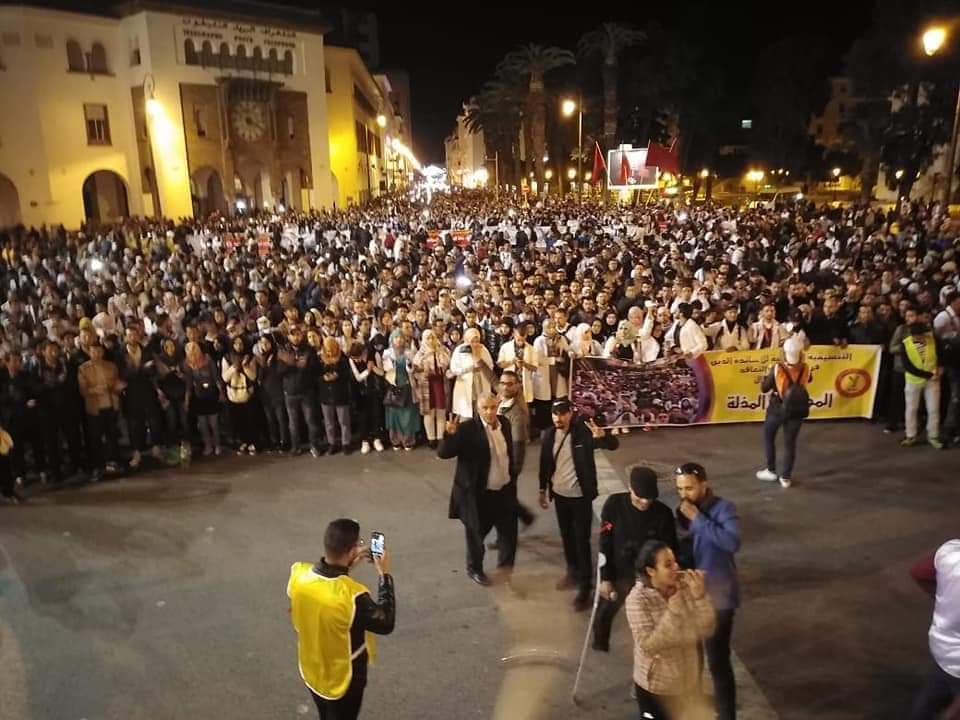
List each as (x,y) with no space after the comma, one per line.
(895,404)
(371,418)
(951,423)
(346,708)
(102,438)
(302,408)
(607,611)
(7,485)
(540,416)
(178,428)
(939,690)
(575,518)
(243,421)
(497,509)
(721,669)
(651,706)
(27,431)
(142,415)
(275,412)
(791,429)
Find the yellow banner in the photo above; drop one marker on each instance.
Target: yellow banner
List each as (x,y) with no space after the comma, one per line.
(843,382)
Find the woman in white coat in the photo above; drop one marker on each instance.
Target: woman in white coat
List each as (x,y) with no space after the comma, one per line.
(583,343)
(471,367)
(550,379)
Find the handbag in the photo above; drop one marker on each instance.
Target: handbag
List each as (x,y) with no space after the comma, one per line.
(397,396)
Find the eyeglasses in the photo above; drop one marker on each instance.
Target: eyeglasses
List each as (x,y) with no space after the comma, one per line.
(691,469)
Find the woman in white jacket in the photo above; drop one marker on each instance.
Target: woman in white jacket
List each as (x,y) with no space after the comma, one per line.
(728,334)
(583,344)
(471,367)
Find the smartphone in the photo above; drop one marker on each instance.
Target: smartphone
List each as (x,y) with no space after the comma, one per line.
(376,544)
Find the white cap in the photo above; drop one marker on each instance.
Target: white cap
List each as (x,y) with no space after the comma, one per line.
(792,349)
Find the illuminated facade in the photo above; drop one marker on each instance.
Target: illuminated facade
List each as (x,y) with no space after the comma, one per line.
(158,110)
(465,155)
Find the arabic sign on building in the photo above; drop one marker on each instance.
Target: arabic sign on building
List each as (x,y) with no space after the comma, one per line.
(721,387)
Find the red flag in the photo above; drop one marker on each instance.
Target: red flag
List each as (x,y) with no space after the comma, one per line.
(624,167)
(599,166)
(665,158)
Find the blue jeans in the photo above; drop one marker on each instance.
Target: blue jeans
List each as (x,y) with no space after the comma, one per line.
(302,407)
(791,429)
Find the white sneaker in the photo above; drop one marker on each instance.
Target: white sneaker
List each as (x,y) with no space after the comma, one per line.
(185,451)
(785,482)
(365,448)
(767,476)
(378,445)
(135,460)
(242,449)
(251,449)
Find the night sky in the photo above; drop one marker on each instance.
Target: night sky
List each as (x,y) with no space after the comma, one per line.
(451,49)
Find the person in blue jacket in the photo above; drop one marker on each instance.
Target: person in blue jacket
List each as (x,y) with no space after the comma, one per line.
(709,531)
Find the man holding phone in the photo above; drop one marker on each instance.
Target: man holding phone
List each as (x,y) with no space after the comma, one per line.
(335,617)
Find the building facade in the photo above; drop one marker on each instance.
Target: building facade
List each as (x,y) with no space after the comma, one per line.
(827,128)
(160,111)
(465,155)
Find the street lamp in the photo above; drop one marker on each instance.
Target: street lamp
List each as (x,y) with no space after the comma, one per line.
(755,176)
(572,174)
(704,173)
(548,174)
(934,39)
(569,107)
(382,120)
(836,173)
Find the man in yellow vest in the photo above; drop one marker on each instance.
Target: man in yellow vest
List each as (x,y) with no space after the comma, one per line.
(922,374)
(334,617)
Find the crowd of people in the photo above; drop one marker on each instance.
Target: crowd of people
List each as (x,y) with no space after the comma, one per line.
(369,327)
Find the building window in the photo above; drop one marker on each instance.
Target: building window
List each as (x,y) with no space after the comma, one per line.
(97,60)
(135,57)
(200,119)
(258,63)
(746,124)
(288,62)
(361,138)
(273,62)
(98,125)
(206,54)
(75,62)
(291,128)
(226,60)
(326,74)
(241,58)
(190,53)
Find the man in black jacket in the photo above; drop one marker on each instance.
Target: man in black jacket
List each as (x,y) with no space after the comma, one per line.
(627,521)
(299,366)
(568,476)
(484,493)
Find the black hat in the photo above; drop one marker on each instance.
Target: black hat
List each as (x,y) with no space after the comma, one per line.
(561,406)
(643,482)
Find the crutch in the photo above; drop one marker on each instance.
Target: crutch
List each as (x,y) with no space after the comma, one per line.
(601,561)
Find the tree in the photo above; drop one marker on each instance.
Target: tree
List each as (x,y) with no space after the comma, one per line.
(609,41)
(498,112)
(864,133)
(532,63)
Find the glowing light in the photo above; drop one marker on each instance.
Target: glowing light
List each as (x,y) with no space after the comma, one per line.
(241,205)
(463,282)
(798,196)
(548,174)
(154,108)
(898,174)
(704,173)
(572,173)
(96,265)
(933,39)
(836,172)
(382,120)
(569,107)
(588,176)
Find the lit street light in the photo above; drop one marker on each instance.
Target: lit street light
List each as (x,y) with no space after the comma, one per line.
(549,174)
(898,174)
(836,172)
(569,107)
(755,176)
(572,174)
(382,120)
(934,38)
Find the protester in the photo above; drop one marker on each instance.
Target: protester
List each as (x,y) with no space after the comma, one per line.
(922,371)
(669,614)
(402,416)
(99,383)
(788,404)
(239,375)
(204,397)
(333,391)
(430,366)
(709,537)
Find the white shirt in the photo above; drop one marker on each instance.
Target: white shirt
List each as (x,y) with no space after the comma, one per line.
(499,474)
(565,481)
(946,324)
(945,630)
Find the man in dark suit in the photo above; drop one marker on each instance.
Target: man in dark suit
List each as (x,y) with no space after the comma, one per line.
(568,476)
(484,493)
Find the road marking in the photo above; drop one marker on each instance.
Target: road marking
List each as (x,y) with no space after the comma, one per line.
(752,703)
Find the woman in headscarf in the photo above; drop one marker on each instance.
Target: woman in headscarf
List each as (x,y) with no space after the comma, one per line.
(334,391)
(204,396)
(239,372)
(623,345)
(472,369)
(430,366)
(403,420)
(583,344)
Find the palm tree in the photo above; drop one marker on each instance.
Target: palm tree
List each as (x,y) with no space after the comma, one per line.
(497,113)
(609,41)
(533,62)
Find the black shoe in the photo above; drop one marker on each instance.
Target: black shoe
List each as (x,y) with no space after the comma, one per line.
(601,645)
(582,601)
(334,450)
(434,444)
(480,578)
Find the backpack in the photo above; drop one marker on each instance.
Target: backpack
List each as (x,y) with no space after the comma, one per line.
(796,399)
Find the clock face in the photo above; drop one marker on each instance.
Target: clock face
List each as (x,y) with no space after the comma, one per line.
(249,120)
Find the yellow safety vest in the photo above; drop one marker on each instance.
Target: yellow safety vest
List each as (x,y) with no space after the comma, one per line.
(322,611)
(926,361)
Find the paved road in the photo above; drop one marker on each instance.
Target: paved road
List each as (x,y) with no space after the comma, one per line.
(162,596)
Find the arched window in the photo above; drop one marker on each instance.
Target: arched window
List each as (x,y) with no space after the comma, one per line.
(288,63)
(273,63)
(190,53)
(206,54)
(98,59)
(242,62)
(226,60)
(75,60)
(258,63)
